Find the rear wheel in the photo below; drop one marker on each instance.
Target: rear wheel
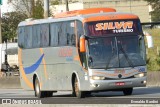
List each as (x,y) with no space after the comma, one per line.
(38,92)
(76,92)
(128,91)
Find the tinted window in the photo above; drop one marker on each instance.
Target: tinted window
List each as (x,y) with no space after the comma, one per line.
(36,36)
(62,34)
(54,28)
(79,29)
(44,35)
(21,37)
(71,37)
(28,37)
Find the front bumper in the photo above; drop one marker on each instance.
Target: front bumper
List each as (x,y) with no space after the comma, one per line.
(100,85)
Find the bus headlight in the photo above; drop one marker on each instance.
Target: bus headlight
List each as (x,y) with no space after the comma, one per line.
(140,75)
(97,77)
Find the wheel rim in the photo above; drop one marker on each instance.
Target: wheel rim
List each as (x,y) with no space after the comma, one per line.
(37,88)
(76,87)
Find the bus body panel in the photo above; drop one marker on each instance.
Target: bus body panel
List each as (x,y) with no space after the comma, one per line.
(54,72)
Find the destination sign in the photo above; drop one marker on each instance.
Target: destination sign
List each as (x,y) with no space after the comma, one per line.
(117,27)
(113,27)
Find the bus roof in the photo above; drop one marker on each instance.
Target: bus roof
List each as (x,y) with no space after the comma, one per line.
(83,12)
(86,15)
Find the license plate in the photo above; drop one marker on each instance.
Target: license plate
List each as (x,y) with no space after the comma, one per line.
(119,83)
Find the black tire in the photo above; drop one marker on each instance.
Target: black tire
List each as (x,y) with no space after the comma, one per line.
(128,91)
(88,93)
(38,92)
(48,93)
(76,92)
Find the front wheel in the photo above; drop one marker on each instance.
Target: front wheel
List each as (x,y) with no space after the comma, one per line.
(38,92)
(76,92)
(128,91)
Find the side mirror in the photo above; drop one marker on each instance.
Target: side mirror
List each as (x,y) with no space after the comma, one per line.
(82,44)
(149,39)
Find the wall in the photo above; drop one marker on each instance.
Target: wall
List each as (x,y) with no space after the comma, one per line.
(62,8)
(138,7)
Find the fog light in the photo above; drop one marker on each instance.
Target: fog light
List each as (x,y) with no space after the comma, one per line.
(144,82)
(94,85)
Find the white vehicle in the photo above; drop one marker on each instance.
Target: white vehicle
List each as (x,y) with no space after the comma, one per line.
(84,51)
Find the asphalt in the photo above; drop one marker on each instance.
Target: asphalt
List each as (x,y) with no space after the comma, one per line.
(10,82)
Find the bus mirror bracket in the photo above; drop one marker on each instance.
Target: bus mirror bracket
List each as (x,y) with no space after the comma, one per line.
(82,44)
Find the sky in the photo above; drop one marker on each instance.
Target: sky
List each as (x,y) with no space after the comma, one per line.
(5,7)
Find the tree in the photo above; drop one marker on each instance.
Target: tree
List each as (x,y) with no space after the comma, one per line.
(38,10)
(155,14)
(55,2)
(24,6)
(10,23)
(33,8)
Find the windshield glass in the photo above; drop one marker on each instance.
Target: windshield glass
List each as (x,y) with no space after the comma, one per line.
(115,52)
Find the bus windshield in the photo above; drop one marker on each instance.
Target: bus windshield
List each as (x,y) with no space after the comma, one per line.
(116,51)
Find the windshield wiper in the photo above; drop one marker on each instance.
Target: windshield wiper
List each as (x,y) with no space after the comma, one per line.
(126,56)
(107,64)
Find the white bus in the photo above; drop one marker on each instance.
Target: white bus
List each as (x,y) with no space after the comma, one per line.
(82,51)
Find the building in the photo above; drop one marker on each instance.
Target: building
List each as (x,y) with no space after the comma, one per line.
(138,7)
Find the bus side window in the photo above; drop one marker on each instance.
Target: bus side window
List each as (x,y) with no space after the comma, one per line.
(62,34)
(70,33)
(36,36)
(73,39)
(54,34)
(79,28)
(28,37)
(68,39)
(44,35)
(21,37)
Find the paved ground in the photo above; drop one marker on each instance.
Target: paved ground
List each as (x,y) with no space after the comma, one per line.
(145,92)
(102,99)
(10,82)
(10,88)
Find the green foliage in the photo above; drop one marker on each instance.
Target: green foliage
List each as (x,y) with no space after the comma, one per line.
(153,54)
(38,10)
(33,8)
(54,2)
(153,64)
(155,14)
(10,22)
